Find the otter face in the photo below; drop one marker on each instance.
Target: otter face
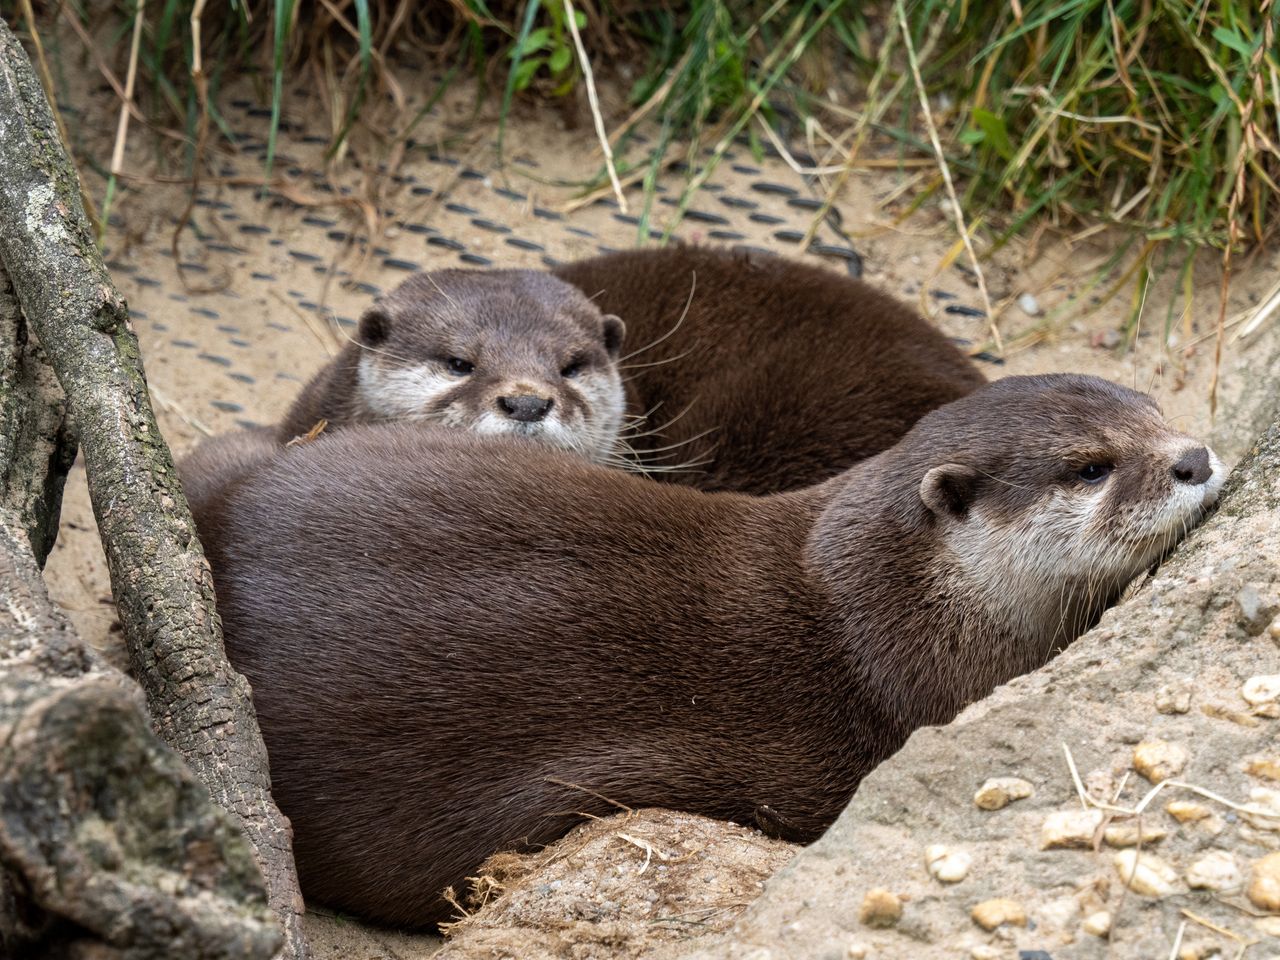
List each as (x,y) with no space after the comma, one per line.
(498,352)
(1052,493)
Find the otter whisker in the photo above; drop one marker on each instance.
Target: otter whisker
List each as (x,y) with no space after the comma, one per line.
(653,363)
(693,285)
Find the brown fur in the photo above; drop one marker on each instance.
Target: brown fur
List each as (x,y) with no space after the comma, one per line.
(781,374)
(469,655)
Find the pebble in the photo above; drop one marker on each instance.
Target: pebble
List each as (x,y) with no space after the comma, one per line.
(1029,305)
(1261,689)
(1218,871)
(1146,873)
(880,908)
(1132,834)
(1159,760)
(1174,698)
(1070,828)
(947,864)
(1269,801)
(856,951)
(1098,924)
(1268,926)
(1264,886)
(1274,629)
(1187,811)
(1265,766)
(1001,791)
(984,951)
(994,913)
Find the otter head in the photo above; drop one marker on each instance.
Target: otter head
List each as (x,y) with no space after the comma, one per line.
(1048,495)
(494,351)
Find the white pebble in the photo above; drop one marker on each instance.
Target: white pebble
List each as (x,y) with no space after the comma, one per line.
(1070,828)
(1217,870)
(1269,802)
(1098,924)
(1261,689)
(1001,791)
(947,864)
(1130,835)
(1029,305)
(1146,873)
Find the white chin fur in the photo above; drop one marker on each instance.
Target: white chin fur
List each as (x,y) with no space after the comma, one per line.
(1187,503)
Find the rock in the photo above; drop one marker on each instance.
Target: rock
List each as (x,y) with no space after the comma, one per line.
(1098,924)
(1029,305)
(1187,811)
(880,908)
(1159,760)
(1106,339)
(1255,612)
(1268,926)
(1266,766)
(1146,873)
(1273,631)
(1261,689)
(994,913)
(947,864)
(1269,802)
(1218,871)
(1131,834)
(1174,698)
(1001,791)
(1264,883)
(1070,828)
(984,951)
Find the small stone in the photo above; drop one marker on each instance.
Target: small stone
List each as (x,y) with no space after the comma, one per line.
(1001,791)
(1107,339)
(1261,689)
(880,908)
(994,913)
(1159,760)
(1269,803)
(1174,698)
(1146,873)
(857,951)
(1264,885)
(1187,811)
(1274,630)
(1070,828)
(984,951)
(1029,305)
(1098,924)
(1217,870)
(1130,834)
(1265,766)
(1270,710)
(1255,610)
(1268,926)
(947,864)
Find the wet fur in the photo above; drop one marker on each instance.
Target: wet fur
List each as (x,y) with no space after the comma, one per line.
(779,375)
(470,655)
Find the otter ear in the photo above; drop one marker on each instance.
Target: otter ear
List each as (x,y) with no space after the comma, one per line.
(614,332)
(949,490)
(375,327)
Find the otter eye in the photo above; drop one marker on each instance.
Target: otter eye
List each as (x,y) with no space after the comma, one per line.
(459,366)
(572,370)
(1093,473)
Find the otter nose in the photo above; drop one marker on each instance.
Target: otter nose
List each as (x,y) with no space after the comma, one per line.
(526,408)
(1193,467)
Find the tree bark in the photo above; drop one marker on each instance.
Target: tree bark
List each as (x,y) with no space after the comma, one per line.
(109,845)
(159,577)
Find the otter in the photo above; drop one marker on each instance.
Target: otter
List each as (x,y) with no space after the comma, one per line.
(760,374)
(471,655)
(494,351)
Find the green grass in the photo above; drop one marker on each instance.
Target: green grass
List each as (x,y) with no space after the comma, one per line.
(1161,117)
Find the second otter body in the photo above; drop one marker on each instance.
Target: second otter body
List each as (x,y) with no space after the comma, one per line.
(464,657)
(764,374)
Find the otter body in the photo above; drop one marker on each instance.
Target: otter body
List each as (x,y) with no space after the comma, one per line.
(466,656)
(779,375)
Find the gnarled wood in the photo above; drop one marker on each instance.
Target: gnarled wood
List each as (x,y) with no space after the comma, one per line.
(162,586)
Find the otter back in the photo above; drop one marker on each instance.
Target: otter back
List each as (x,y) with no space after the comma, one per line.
(779,375)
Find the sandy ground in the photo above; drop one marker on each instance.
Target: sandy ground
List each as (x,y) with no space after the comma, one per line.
(264,287)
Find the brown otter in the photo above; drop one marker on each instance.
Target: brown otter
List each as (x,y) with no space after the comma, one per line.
(778,375)
(494,351)
(470,655)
